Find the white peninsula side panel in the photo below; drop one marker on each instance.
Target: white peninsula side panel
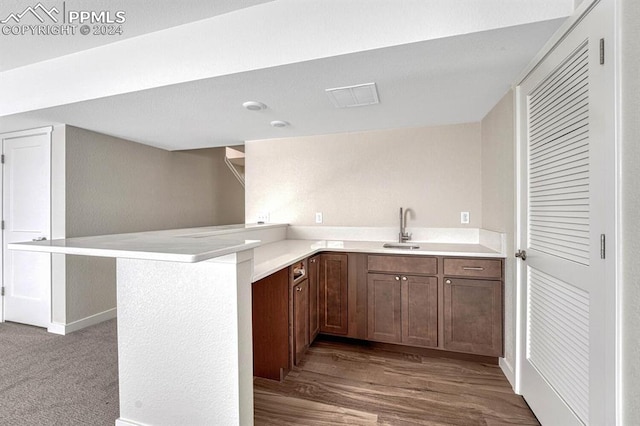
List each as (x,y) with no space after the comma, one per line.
(184,341)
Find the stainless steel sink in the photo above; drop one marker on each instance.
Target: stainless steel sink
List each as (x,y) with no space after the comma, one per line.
(405,246)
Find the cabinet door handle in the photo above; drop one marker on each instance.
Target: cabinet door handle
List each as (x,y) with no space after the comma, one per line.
(298,288)
(472,268)
(447,282)
(404,278)
(397,278)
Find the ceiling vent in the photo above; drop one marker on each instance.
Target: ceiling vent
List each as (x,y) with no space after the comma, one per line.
(353,96)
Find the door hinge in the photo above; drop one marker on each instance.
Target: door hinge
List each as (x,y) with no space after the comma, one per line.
(601,51)
(603,250)
(2,225)
(2,159)
(2,292)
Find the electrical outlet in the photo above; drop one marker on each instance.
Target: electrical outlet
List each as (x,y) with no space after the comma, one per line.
(464,217)
(318,217)
(263,217)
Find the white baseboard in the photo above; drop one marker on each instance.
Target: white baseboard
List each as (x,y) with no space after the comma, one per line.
(507,370)
(58,328)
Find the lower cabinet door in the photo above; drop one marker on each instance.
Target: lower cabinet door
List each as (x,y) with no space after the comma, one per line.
(314,298)
(300,320)
(333,289)
(419,311)
(384,307)
(473,316)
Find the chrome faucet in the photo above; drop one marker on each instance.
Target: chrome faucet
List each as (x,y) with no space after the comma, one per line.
(403,236)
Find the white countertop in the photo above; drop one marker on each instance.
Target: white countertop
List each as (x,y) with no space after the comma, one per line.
(272,249)
(270,258)
(144,245)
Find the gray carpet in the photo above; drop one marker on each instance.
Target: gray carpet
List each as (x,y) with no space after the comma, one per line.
(46,379)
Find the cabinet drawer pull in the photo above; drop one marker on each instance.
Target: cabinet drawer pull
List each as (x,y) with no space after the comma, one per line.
(472,268)
(447,282)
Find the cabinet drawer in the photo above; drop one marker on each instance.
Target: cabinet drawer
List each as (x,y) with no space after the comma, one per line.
(403,264)
(470,267)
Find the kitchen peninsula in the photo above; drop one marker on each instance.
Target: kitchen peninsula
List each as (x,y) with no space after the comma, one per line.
(184,321)
(185,305)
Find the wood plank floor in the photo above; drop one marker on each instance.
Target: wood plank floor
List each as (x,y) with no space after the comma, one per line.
(341,383)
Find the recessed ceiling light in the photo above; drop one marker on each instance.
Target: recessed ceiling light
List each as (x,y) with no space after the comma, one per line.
(279,123)
(254,106)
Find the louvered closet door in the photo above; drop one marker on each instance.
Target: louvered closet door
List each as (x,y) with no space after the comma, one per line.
(563,111)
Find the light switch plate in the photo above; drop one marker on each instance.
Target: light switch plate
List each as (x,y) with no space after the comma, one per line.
(318,217)
(464,217)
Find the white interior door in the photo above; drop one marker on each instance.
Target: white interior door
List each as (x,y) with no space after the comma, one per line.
(26,209)
(565,130)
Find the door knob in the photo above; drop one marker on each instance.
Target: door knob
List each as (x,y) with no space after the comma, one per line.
(522,254)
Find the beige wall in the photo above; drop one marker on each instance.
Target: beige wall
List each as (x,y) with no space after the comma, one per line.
(116,186)
(498,199)
(361,179)
(630,224)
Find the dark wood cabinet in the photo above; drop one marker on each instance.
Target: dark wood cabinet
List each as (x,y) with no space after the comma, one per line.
(403,309)
(285,317)
(419,265)
(384,311)
(299,310)
(470,267)
(300,297)
(433,302)
(314,295)
(270,305)
(450,303)
(473,316)
(333,282)
(419,310)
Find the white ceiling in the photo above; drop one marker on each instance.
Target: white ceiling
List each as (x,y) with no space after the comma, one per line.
(442,81)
